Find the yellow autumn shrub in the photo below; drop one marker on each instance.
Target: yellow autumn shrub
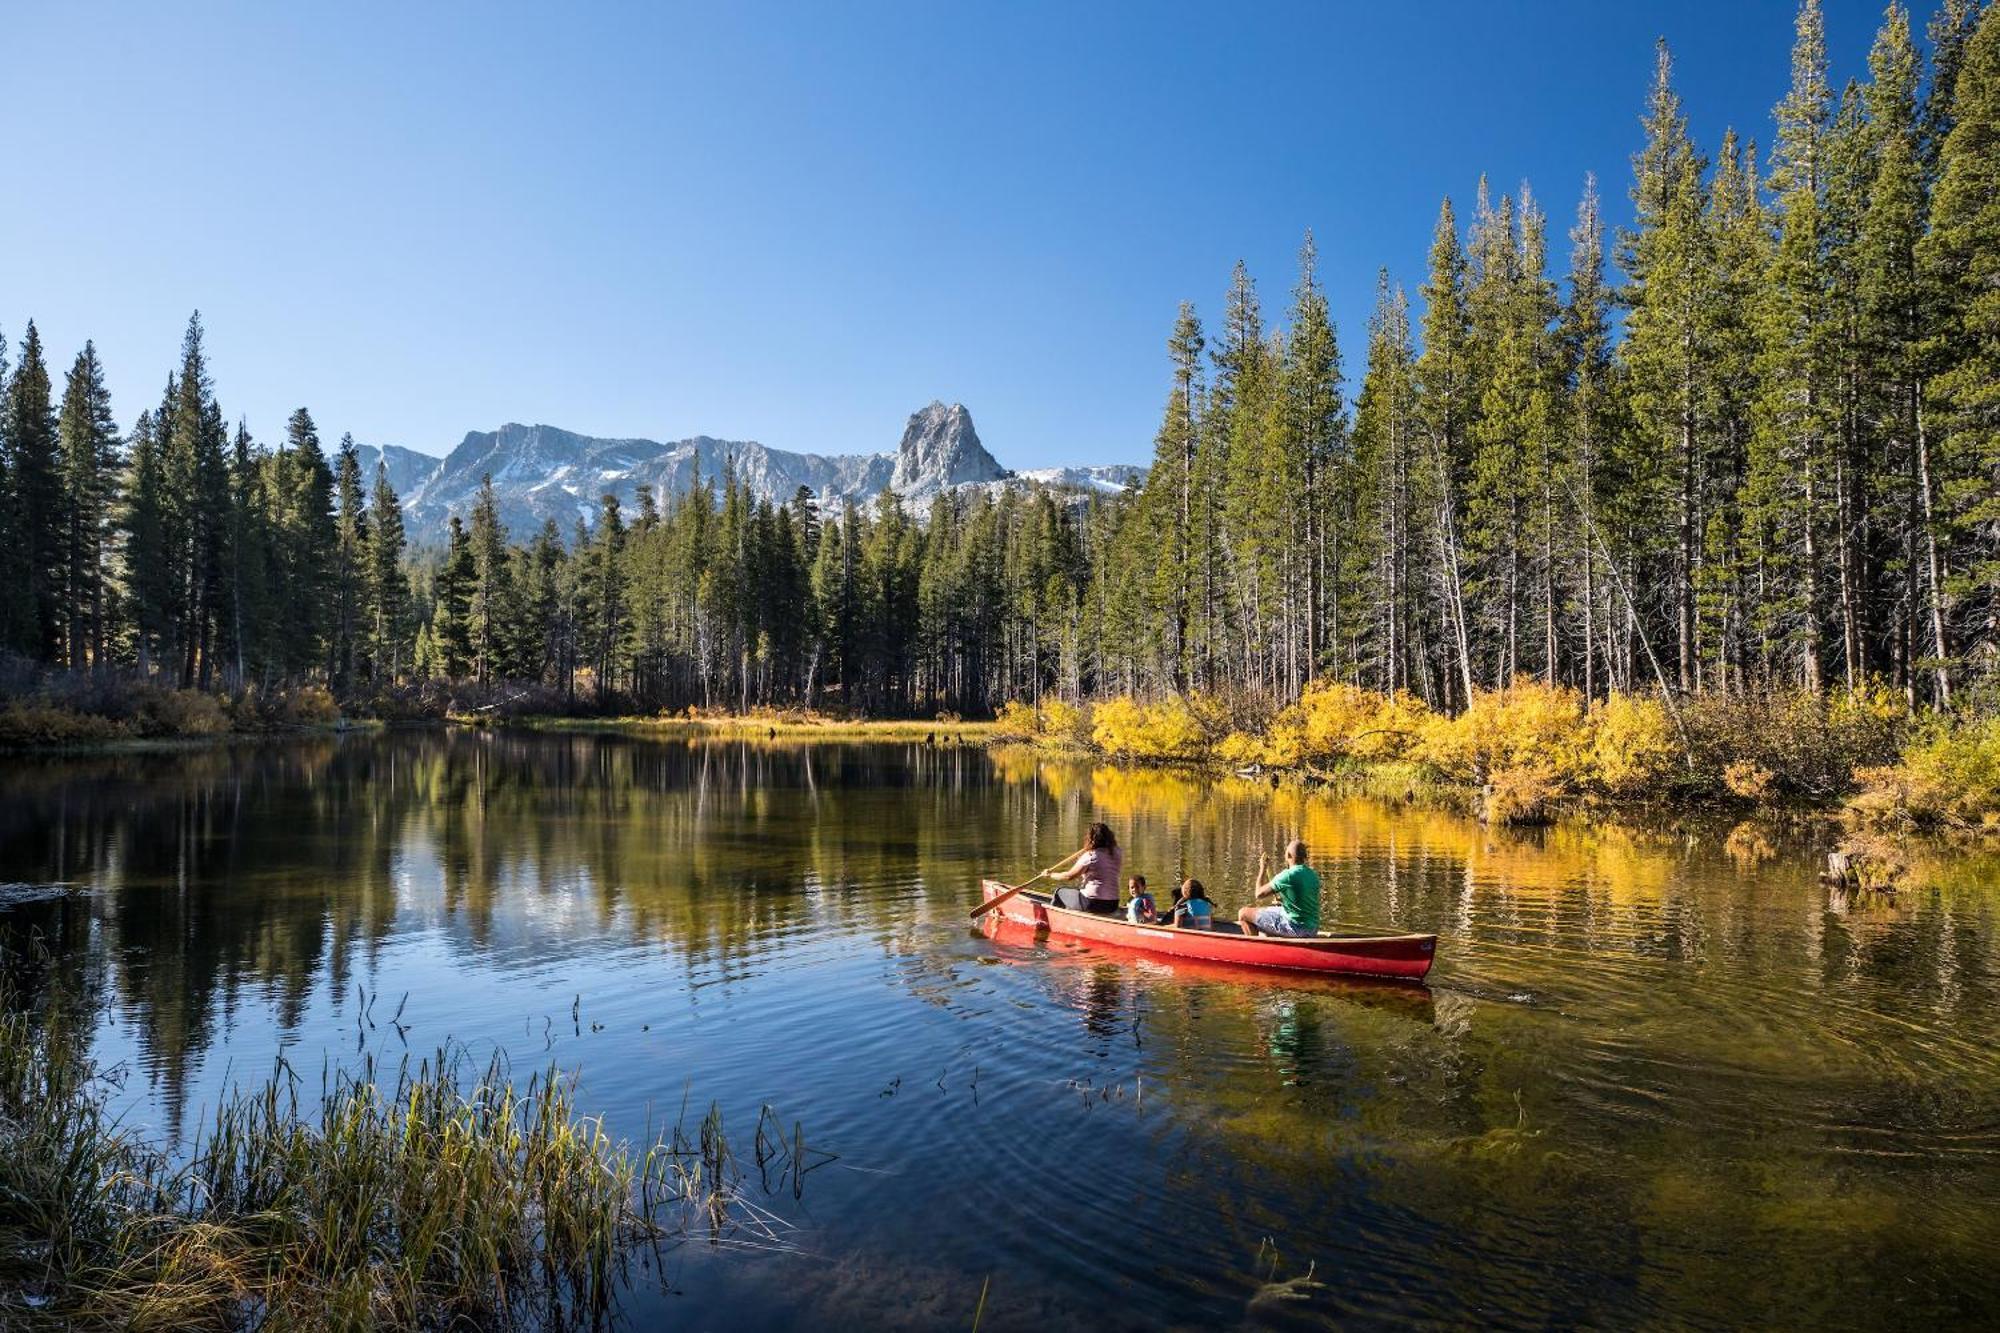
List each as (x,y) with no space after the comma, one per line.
(1333,721)
(1632,744)
(1529,725)
(1526,745)
(1065,725)
(1016,721)
(1948,774)
(1240,749)
(1170,731)
(1748,779)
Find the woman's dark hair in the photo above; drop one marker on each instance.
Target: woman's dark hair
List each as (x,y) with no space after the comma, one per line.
(1195,890)
(1099,839)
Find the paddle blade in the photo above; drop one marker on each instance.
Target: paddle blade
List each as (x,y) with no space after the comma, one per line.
(999,898)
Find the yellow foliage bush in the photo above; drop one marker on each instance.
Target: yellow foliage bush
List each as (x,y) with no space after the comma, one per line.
(1529,726)
(1949,774)
(1016,721)
(25,723)
(1065,724)
(1748,779)
(313,705)
(1171,731)
(1632,744)
(1333,721)
(1240,749)
(181,713)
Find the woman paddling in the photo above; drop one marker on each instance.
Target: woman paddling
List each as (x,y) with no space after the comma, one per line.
(1097,865)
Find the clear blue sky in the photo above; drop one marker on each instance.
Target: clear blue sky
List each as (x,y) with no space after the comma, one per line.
(795,224)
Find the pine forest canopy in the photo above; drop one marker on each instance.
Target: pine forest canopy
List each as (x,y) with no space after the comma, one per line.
(1753,440)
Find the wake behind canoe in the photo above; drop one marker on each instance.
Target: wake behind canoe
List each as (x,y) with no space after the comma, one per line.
(1407,957)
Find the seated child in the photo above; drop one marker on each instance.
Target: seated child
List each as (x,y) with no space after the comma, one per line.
(1141,909)
(1192,910)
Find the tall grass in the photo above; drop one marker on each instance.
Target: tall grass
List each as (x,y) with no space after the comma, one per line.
(444,1197)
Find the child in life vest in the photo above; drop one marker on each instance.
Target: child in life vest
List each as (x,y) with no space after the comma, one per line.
(1141,909)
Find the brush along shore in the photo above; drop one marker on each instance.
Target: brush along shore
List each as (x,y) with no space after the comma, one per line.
(1519,754)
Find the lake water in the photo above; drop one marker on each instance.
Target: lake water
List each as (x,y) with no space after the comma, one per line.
(1656,1077)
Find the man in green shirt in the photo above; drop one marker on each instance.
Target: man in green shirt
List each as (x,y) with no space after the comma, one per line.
(1297,889)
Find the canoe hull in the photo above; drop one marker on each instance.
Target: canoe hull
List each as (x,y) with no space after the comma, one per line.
(1407,957)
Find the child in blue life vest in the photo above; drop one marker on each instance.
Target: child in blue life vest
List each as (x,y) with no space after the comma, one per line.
(1141,909)
(1192,910)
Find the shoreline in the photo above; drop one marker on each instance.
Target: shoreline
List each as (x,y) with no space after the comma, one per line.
(754,726)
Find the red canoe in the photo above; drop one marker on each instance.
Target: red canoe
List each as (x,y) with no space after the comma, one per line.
(1405,956)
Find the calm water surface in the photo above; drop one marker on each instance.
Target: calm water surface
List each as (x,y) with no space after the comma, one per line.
(1657,1077)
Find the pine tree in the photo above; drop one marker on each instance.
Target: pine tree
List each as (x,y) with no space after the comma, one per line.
(451,618)
(1378,565)
(308,538)
(387,586)
(1591,425)
(605,594)
(1960,258)
(1170,506)
(350,541)
(1791,457)
(1894,311)
(88,437)
(1668,262)
(33,563)
(492,587)
(253,608)
(1315,427)
(1729,584)
(1446,415)
(147,587)
(198,511)
(1950,33)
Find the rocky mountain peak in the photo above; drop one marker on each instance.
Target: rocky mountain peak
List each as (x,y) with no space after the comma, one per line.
(542,473)
(939,450)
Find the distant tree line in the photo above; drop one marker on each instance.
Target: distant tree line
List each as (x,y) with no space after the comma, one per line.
(1751,441)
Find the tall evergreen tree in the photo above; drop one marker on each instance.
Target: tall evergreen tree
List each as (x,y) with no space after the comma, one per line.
(1791,463)
(350,542)
(88,438)
(492,585)
(387,588)
(308,538)
(1668,262)
(1315,429)
(33,562)
(1960,258)
(1446,415)
(148,586)
(451,615)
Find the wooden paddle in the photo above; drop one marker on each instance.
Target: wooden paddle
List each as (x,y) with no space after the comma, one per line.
(999,898)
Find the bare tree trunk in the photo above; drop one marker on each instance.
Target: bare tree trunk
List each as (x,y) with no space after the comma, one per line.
(1931,550)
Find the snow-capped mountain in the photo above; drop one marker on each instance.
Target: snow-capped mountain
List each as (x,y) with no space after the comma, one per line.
(543,472)
(408,469)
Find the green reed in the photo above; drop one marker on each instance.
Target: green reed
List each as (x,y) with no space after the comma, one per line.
(444,1196)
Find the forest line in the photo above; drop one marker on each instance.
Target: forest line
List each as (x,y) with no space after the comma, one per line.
(1749,444)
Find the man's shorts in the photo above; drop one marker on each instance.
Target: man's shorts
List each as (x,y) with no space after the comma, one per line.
(1273,921)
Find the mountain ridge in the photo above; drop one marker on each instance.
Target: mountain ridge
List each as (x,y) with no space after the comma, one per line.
(542,472)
